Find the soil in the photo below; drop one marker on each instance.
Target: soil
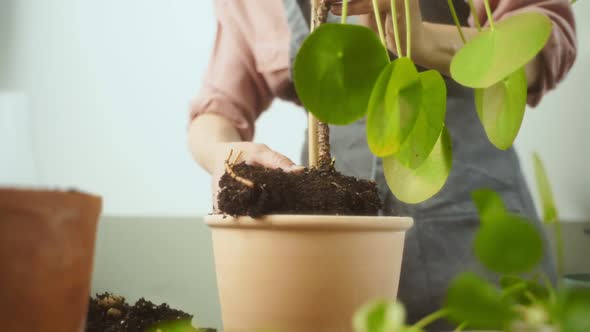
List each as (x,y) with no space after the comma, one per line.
(110,313)
(312,191)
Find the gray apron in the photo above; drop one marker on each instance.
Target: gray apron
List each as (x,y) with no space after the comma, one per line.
(439,246)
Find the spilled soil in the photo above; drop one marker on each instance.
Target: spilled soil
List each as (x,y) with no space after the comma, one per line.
(110,313)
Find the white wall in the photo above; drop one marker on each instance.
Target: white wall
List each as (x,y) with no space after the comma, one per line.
(559,130)
(109,83)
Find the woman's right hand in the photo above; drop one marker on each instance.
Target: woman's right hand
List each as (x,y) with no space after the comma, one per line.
(212,137)
(255,154)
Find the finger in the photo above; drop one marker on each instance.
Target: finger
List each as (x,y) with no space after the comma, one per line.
(296,169)
(273,159)
(263,156)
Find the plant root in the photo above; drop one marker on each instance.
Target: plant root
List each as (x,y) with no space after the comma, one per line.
(229,169)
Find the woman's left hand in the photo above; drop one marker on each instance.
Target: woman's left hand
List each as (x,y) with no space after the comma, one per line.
(364,8)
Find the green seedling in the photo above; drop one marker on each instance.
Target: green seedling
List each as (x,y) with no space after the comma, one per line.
(524,302)
(550,213)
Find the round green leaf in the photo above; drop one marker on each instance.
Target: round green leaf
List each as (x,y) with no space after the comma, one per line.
(335,70)
(501,108)
(394,107)
(417,185)
(573,310)
(379,316)
(517,288)
(508,244)
(430,121)
(489,204)
(492,55)
(471,299)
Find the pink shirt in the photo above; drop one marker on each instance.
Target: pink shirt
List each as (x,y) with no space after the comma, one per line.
(249,66)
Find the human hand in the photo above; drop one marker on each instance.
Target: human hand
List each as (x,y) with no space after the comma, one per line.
(253,154)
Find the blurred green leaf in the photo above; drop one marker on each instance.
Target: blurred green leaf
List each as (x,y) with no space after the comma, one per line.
(417,185)
(430,121)
(501,108)
(573,310)
(380,316)
(489,204)
(335,70)
(493,55)
(394,107)
(545,192)
(508,244)
(471,299)
(517,288)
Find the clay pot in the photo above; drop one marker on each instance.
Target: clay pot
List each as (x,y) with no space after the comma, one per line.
(46,252)
(304,273)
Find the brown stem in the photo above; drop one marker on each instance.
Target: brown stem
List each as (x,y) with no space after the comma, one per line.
(321,13)
(324,157)
(319,16)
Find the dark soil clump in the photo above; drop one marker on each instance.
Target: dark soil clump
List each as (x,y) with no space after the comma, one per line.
(110,313)
(313,191)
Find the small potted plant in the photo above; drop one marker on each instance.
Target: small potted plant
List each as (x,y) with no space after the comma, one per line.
(524,301)
(46,252)
(316,248)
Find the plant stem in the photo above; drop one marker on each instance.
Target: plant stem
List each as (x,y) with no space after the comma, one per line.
(324,157)
(456,19)
(395,29)
(312,121)
(548,285)
(431,318)
(320,15)
(460,327)
(377,14)
(344,12)
(474,15)
(489,13)
(312,138)
(319,132)
(512,289)
(408,30)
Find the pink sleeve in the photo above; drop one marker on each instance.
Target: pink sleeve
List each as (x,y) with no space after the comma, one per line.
(232,87)
(559,54)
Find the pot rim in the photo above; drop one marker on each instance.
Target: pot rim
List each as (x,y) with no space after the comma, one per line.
(29,199)
(311,222)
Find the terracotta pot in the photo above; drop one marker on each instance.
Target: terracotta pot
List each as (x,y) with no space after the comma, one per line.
(46,253)
(304,273)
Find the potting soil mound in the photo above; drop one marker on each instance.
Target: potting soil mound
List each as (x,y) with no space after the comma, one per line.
(110,313)
(312,191)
